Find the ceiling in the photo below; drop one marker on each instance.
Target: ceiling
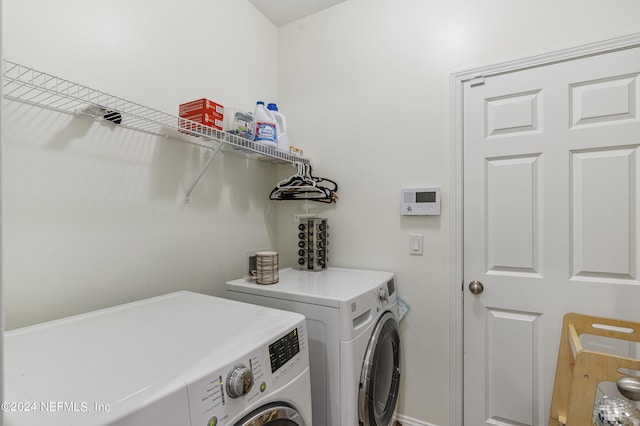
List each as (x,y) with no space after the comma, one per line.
(281,12)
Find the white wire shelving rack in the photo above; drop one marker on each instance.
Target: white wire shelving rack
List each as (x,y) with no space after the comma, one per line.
(31,86)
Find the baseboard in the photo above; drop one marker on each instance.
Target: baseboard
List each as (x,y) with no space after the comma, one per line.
(402,420)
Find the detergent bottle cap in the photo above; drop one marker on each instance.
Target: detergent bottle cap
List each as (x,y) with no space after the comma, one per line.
(272,107)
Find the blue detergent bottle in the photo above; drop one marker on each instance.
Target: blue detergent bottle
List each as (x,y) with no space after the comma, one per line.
(281,121)
(265,126)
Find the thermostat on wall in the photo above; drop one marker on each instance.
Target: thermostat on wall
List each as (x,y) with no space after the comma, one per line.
(420,202)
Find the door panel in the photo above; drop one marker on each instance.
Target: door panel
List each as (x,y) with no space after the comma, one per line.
(551,206)
(517,330)
(512,204)
(604,101)
(603,216)
(517,113)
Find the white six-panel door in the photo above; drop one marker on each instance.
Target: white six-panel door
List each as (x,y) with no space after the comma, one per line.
(551,222)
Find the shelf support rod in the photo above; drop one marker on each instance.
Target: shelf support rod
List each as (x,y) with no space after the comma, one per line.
(204,169)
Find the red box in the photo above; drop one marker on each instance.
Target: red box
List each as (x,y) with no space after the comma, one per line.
(205,119)
(201,106)
(203,111)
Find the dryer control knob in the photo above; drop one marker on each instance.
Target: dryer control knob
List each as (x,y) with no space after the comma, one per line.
(382,294)
(239,381)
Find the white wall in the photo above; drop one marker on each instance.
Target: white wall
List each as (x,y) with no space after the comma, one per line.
(365,86)
(95,215)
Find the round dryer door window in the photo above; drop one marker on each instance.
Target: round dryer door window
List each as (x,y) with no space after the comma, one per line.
(273,415)
(380,376)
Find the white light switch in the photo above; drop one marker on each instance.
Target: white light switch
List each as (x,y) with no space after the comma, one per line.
(415,244)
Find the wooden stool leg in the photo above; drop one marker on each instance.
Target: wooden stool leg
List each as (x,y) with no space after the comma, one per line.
(562,384)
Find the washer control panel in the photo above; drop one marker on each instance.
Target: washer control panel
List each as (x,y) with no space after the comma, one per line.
(284,349)
(239,381)
(221,397)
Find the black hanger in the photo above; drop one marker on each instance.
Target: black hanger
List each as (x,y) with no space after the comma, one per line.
(304,186)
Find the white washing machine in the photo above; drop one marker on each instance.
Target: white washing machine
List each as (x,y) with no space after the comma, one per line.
(182,359)
(354,342)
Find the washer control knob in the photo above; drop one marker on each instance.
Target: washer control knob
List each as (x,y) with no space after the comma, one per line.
(239,381)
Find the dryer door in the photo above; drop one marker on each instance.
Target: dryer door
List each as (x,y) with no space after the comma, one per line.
(380,376)
(274,415)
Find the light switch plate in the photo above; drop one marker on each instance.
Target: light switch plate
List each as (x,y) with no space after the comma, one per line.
(416,244)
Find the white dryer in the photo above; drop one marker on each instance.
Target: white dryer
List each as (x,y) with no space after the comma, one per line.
(354,341)
(182,359)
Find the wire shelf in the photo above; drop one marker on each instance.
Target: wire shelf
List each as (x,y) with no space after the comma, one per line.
(39,88)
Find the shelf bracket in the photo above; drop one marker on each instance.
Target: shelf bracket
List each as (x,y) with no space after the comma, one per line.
(216,150)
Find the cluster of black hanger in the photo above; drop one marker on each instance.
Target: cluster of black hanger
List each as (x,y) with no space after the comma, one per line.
(304,186)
